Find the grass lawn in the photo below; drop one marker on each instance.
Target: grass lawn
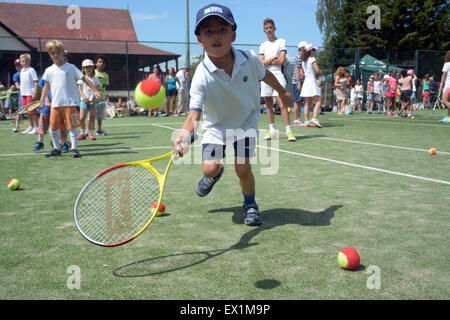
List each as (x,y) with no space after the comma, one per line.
(365,181)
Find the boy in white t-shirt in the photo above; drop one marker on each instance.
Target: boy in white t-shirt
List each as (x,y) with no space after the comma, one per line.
(272,54)
(28,90)
(226,89)
(444,87)
(61,78)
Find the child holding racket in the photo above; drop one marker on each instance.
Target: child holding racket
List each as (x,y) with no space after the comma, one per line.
(226,90)
(61,78)
(28,88)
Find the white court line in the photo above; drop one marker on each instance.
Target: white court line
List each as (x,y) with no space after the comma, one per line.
(86,151)
(344,163)
(357,165)
(393,122)
(380,145)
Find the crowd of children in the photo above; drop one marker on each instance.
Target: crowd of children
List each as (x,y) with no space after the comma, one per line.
(393,94)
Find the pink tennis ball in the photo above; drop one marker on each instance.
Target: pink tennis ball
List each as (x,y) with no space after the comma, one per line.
(348,258)
(150,94)
(161,209)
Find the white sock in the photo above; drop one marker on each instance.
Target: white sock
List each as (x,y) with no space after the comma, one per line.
(74,138)
(272,127)
(56,135)
(288,129)
(40,138)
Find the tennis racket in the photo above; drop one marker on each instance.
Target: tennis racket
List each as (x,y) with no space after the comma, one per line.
(18,121)
(29,107)
(114,207)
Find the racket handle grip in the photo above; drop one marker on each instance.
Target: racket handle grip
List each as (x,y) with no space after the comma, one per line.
(189,140)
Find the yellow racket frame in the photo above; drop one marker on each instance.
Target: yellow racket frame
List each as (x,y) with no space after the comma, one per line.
(161,180)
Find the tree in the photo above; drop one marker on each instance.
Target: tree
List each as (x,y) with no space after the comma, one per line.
(405,24)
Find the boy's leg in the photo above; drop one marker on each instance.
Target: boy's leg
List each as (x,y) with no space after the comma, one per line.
(244,151)
(211,167)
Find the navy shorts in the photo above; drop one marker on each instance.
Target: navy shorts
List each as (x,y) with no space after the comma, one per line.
(297,96)
(242,149)
(406,93)
(171,92)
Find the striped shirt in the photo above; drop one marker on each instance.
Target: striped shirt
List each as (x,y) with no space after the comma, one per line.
(298,64)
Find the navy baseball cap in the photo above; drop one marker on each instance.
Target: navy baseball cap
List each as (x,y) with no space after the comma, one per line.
(214,10)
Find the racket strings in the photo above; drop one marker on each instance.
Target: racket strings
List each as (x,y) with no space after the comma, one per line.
(116,206)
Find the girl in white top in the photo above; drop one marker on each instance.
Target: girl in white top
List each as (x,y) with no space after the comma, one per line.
(445,86)
(359,94)
(87,103)
(310,87)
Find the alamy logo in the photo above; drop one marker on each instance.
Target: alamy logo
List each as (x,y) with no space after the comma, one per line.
(213,9)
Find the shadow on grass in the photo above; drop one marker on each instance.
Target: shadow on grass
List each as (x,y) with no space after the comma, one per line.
(272,218)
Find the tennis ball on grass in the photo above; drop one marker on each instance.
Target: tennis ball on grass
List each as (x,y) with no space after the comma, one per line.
(13,184)
(348,258)
(161,210)
(150,93)
(432,151)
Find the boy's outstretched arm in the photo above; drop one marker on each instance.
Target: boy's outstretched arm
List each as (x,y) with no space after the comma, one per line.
(272,81)
(189,126)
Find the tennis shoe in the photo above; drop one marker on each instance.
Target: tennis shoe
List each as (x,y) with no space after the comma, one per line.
(290,136)
(316,123)
(53,153)
(27,130)
(15,129)
(81,136)
(38,146)
(33,131)
(307,124)
(206,184)
(445,120)
(252,215)
(269,135)
(298,123)
(91,136)
(75,153)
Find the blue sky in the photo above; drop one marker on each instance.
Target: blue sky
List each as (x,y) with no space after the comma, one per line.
(156,20)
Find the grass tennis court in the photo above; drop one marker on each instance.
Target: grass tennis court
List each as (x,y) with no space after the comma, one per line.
(365,181)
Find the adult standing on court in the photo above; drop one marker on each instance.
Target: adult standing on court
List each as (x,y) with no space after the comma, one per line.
(444,87)
(181,80)
(272,54)
(406,82)
(297,81)
(171,91)
(310,88)
(341,89)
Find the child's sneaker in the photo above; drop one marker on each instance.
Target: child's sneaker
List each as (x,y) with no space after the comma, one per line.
(290,136)
(206,184)
(33,131)
(389,114)
(298,123)
(53,153)
(27,130)
(38,146)
(75,153)
(307,124)
(91,136)
(269,135)
(316,123)
(445,120)
(101,132)
(15,129)
(252,215)
(65,147)
(81,136)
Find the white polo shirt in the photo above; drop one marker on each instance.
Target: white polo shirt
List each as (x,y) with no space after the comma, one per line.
(228,103)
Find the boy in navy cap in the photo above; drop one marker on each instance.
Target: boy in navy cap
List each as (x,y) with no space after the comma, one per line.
(226,90)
